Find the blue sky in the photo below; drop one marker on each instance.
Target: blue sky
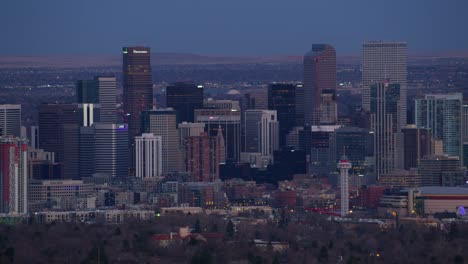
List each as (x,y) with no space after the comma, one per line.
(222,27)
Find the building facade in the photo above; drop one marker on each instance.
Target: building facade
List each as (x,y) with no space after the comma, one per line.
(148,155)
(110,154)
(13,175)
(442,114)
(380,61)
(202,157)
(261,132)
(319,75)
(384,108)
(184,98)
(162,122)
(10,120)
(282,99)
(137,91)
(228,123)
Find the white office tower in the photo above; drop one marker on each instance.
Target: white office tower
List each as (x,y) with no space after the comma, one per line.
(148,156)
(344,165)
(10,120)
(261,132)
(384,61)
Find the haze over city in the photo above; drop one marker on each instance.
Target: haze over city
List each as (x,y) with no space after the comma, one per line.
(243,132)
(263,27)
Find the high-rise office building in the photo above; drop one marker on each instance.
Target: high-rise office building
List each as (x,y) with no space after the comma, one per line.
(384,108)
(227,122)
(110,154)
(319,75)
(381,61)
(442,114)
(13,175)
(137,90)
(417,144)
(86,152)
(282,99)
(261,132)
(184,97)
(319,143)
(162,122)
(34,137)
(190,130)
(148,148)
(59,126)
(203,157)
(107,99)
(87,92)
(357,144)
(101,90)
(465,134)
(10,120)
(299,120)
(328,107)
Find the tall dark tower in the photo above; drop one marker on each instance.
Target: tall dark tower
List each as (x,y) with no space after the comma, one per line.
(319,75)
(184,97)
(282,98)
(137,90)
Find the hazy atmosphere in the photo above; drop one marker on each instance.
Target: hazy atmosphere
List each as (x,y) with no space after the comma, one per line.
(261,27)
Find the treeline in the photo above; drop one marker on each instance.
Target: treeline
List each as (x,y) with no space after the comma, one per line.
(311,239)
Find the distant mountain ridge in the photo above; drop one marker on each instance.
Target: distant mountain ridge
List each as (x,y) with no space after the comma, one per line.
(83,61)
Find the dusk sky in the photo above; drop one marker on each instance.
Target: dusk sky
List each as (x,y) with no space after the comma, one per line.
(236,27)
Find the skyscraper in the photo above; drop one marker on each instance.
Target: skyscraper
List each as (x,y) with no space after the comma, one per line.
(261,132)
(203,157)
(417,144)
(282,98)
(10,120)
(384,123)
(162,122)
(59,127)
(357,144)
(87,92)
(381,61)
(328,107)
(110,155)
(319,75)
(442,113)
(107,99)
(13,175)
(148,148)
(184,97)
(137,90)
(228,123)
(101,90)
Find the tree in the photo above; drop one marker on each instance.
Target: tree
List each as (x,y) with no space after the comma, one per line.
(323,254)
(197,228)
(230,229)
